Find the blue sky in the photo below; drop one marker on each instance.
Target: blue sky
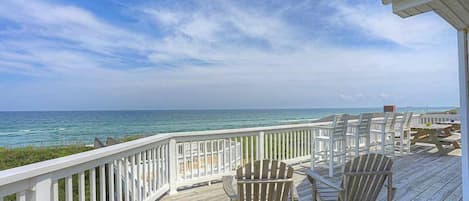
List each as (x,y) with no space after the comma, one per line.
(88,55)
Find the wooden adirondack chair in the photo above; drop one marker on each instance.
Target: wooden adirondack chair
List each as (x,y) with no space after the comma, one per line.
(263,180)
(363,179)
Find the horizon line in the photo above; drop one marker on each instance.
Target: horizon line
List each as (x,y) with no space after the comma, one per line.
(215,109)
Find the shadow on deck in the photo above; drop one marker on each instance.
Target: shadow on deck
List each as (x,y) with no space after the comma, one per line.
(421,175)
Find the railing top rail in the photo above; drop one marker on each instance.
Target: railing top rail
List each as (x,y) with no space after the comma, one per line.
(45,167)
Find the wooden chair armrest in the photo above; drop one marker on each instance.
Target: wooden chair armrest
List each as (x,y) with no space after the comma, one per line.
(228,187)
(393,191)
(323,180)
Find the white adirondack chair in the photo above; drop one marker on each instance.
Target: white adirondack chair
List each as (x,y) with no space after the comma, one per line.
(330,144)
(403,133)
(384,136)
(359,138)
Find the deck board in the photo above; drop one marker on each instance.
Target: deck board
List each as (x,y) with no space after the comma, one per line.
(421,175)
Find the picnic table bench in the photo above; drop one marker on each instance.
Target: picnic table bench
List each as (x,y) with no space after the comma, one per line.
(437,134)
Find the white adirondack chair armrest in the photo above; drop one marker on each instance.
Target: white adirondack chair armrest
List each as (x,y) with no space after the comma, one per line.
(228,187)
(323,180)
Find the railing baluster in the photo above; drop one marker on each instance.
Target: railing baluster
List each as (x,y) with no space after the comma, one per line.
(244,148)
(191,160)
(81,186)
(139,176)
(303,143)
(223,147)
(282,146)
(159,168)
(205,158)
(155,168)
(235,152)
(219,159)
(275,144)
(68,188)
(293,143)
(150,171)
(269,136)
(184,171)
(211,158)
(126,181)
(166,163)
(252,149)
(134,177)
(55,191)
(102,182)
(308,142)
(111,180)
(287,151)
(92,185)
(260,146)
(119,180)
(198,159)
(144,174)
(230,164)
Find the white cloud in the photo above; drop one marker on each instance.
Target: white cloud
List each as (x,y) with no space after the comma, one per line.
(380,23)
(289,71)
(166,17)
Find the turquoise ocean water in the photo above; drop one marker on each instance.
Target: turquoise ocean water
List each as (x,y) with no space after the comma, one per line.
(68,127)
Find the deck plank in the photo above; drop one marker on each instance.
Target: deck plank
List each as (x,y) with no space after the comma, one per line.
(422,175)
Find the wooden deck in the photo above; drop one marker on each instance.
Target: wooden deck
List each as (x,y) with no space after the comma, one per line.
(422,175)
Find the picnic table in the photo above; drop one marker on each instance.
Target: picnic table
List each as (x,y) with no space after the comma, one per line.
(437,134)
(455,125)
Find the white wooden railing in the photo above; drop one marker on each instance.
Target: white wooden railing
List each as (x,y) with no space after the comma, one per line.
(148,168)
(435,118)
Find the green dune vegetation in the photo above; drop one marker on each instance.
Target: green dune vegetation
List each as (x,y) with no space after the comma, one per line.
(15,157)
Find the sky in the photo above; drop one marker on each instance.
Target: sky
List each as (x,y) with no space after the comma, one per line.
(203,54)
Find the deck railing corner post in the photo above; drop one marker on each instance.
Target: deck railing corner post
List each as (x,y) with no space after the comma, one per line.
(172,167)
(260,146)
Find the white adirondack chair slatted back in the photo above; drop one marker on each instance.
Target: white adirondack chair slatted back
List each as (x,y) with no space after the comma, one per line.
(364,177)
(403,132)
(409,120)
(339,125)
(361,134)
(390,121)
(364,124)
(401,123)
(264,180)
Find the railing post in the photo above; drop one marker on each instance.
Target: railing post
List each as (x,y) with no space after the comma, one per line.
(260,146)
(173,160)
(43,188)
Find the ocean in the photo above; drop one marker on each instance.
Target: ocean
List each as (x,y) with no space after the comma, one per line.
(43,128)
